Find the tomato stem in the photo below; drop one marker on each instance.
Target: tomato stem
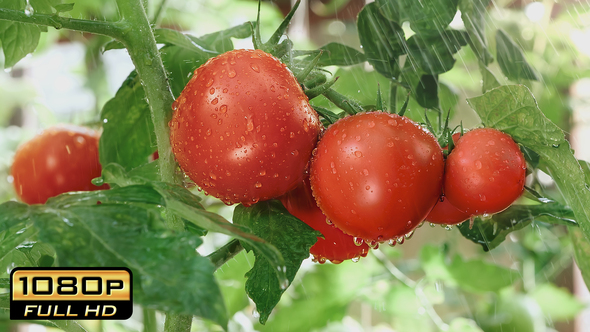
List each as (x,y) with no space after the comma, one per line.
(225,253)
(111,29)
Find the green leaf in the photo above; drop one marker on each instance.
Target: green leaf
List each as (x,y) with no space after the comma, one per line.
(390,9)
(477,276)
(64,8)
(558,304)
(513,109)
(511,59)
(489,79)
(424,88)
(221,42)
(491,232)
(128,132)
(429,16)
(473,15)
(336,54)
(329,289)
(180,63)
(383,40)
(272,222)
(177,38)
(85,233)
(581,252)
(474,276)
(230,277)
(434,54)
(19,39)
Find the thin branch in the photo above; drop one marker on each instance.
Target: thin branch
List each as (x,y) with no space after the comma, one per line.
(225,253)
(111,29)
(159,12)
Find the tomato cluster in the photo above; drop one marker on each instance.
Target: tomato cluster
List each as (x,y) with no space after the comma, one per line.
(243,131)
(60,159)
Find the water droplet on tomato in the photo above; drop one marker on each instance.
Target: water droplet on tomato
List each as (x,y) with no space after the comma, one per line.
(258,185)
(210,82)
(329,222)
(366,172)
(477,164)
(262,173)
(295,153)
(358,241)
(291,134)
(409,234)
(208,133)
(214,101)
(371,124)
(359,154)
(175,105)
(400,240)
(223,109)
(356,259)
(255,67)
(448,227)
(392,242)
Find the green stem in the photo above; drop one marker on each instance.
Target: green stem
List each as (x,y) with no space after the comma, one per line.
(347,105)
(225,253)
(111,29)
(149,320)
(178,323)
(393,97)
(140,42)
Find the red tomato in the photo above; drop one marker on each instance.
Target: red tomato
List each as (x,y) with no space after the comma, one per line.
(444,212)
(485,172)
(336,246)
(243,129)
(377,175)
(59,160)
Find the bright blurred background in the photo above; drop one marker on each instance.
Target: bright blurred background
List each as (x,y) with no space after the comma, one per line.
(405,288)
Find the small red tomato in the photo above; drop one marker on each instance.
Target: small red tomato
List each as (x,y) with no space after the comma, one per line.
(243,129)
(485,172)
(445,213)
(335,246)
(377,175)
(59,160)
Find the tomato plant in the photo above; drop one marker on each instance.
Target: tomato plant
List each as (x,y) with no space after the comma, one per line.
(242,128)
(335,246)
(392,78)
(485,173)
(59,160)
(377,175)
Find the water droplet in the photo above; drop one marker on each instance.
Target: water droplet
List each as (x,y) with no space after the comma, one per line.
(432,225)
(371,124)
(478,164)
(291,134)
(258,185)
(392,242)
(29,9)
(250,125)
(358,154)
(329,222)
(255,67)
(356,259)
(223,109)
(175,105)
(210,82)
(409,235)
(448,227)
(358,241)
(365,172)
(295,153)
(400,240)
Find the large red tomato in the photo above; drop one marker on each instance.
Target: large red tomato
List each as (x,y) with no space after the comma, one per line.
(377,175)
(485,172)
(243,129)
(59,160)
(335,246)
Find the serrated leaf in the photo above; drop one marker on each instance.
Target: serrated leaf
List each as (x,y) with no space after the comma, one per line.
(491,232)
(272,222)
(511,59)
(383,40)
(19,39)
(514,110)
(86,234)
(336,54)
(558,304)
(434,54)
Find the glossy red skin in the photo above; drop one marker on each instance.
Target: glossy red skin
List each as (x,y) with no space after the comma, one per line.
(485,172)
(243,129)
(377,175)
(60,159)
(445,213)
(335,246)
